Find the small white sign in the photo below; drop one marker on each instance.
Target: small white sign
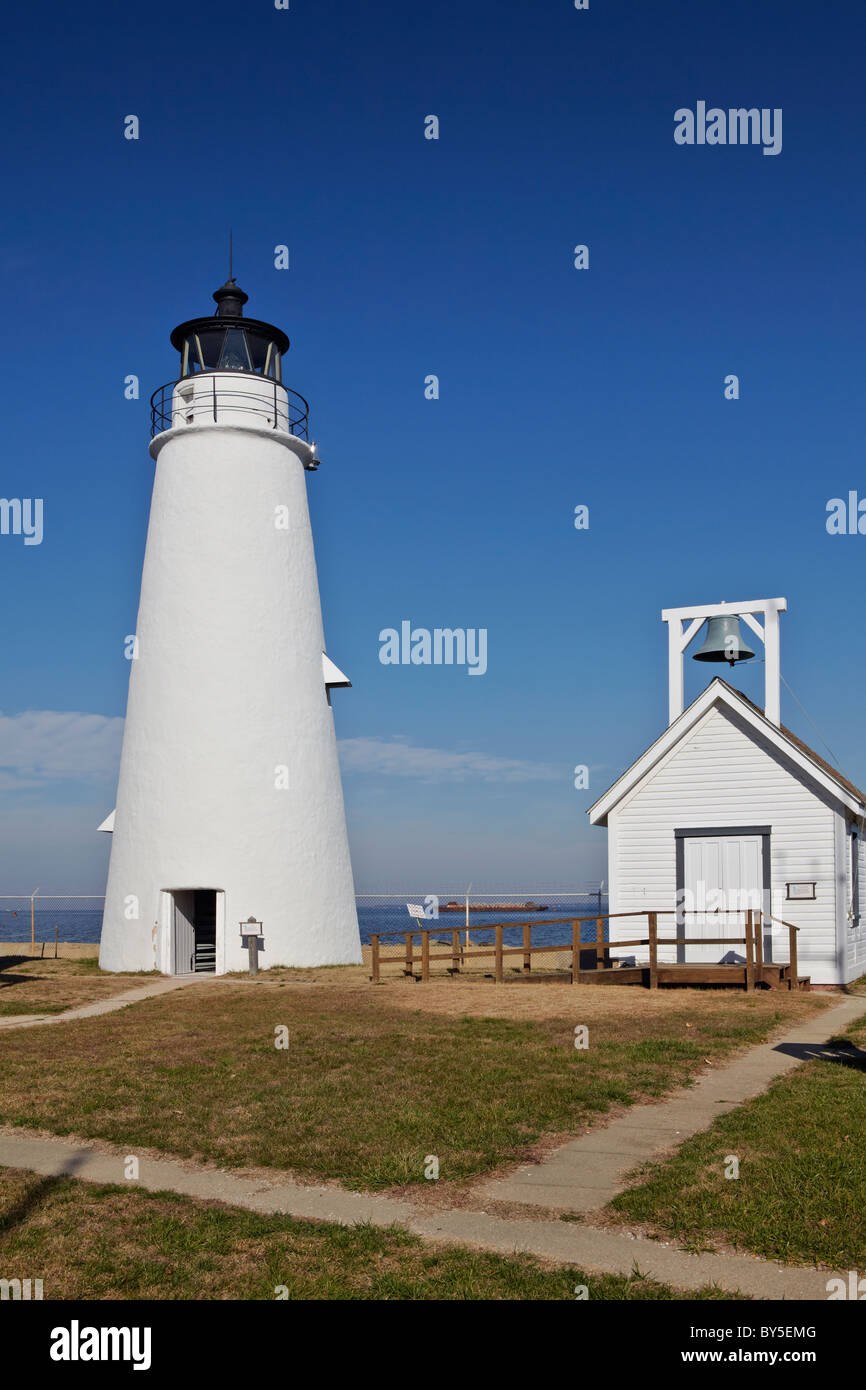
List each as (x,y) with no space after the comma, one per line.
(415,909)
(800,890)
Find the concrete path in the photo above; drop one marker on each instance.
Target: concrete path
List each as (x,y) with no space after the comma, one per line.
(105,1006)
(601,1251)
(586,1173)
(97,1163)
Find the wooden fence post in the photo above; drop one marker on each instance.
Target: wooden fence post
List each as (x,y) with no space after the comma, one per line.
(527,948)
(652,921)
(498,931)
(455,950)
(374,957)
(759,946)
(599,943)
(425,954)
(575,952)
(410,962)
(792,947)
(750,953)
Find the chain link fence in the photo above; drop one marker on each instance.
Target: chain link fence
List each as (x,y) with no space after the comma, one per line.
(43,919)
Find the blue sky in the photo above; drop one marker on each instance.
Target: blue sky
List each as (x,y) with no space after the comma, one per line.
(557,386)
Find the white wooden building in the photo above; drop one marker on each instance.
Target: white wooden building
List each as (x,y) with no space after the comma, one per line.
(726,810)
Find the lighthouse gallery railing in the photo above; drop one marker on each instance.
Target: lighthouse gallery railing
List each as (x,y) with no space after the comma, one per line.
(287,411)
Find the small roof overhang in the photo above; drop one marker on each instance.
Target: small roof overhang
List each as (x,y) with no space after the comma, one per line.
(332,674)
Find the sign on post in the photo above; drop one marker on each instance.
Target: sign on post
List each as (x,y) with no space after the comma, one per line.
(251,937)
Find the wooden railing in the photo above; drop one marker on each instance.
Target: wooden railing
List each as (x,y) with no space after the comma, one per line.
(460,954)
(792,946)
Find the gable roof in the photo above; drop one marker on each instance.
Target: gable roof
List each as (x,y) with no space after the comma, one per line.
(718,692)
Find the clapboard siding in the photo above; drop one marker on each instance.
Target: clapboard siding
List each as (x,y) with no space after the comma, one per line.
(723,773)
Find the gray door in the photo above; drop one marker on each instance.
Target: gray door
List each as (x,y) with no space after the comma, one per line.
(724,877)
(183,957)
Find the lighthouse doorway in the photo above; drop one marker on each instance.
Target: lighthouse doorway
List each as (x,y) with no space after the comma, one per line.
(194,931)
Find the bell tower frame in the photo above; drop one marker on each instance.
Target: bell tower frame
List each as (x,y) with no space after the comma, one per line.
(678,640)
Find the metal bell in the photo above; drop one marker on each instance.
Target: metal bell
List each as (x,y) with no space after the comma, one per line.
(723,642)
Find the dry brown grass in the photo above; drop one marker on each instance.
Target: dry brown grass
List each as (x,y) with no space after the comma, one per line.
(621,1006)
(36,986)
(374,1078)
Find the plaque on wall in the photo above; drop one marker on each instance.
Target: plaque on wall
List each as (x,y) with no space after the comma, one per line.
(799,890)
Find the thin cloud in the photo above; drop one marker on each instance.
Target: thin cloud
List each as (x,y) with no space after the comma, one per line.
(41,746)
(399,758)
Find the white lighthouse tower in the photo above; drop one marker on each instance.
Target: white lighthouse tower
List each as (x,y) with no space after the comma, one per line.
(229,803)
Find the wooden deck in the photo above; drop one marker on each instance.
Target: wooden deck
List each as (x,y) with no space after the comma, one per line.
(732,976)
(592,963)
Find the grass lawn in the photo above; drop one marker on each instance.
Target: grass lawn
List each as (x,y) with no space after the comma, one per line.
(373,1080)
(36,986)
(801,1193)
(89,1242)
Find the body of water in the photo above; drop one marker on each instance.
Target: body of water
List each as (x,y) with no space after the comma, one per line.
(374,915)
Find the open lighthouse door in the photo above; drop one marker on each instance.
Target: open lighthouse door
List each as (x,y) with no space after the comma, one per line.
(194,931)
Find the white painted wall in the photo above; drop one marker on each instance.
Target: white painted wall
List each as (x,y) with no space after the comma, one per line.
(236,397)
(227,686)
(720,775)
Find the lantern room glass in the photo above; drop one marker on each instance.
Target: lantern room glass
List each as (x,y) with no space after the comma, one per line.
(230,350)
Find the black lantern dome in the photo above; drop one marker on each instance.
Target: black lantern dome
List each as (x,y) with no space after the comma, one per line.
(227,342)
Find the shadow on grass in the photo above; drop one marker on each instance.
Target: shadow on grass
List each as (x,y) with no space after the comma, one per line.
(9,963)
(37,1195)
(840,1050)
